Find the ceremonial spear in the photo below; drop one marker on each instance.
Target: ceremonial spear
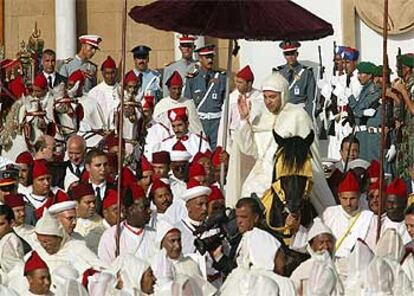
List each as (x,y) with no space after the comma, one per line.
(384,91)
(120,127)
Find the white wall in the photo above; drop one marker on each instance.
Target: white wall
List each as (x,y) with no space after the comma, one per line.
(263,56)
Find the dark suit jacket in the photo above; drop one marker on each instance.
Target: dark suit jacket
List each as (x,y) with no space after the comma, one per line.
(59,78)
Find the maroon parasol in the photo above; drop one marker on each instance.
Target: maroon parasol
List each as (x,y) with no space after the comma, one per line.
(251,20)
(232,19)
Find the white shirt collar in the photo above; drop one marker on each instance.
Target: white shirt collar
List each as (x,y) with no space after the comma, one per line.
(49,74)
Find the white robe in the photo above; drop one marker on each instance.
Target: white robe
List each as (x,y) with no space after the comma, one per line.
(91,230)
(178,187)
(167,103)
(104,95)
(193,144)
(255,98)
(11,252)
(155,134)
(255,138)
(24,230)
(93,116)
(143,246)
(339,221)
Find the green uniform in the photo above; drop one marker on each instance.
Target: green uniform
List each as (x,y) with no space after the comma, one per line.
(368,129)
(405,156)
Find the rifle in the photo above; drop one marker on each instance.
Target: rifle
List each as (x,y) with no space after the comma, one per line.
(322,101)
(399,65)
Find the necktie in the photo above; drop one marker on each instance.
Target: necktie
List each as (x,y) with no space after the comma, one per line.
(208,78)
(140,77)
(49,78)
(98,201)
(78,172)
(290,77)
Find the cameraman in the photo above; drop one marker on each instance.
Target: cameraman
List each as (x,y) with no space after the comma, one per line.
(248,214)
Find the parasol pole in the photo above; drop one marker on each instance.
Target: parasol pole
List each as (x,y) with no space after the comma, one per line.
(384,90)
(121,127)
(226,108)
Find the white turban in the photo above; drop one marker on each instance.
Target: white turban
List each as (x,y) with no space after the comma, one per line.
(258,249)
(318,228)
(163,227)
(48,225)
(277,83)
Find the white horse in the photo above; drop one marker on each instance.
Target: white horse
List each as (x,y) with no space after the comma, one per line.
(25,123)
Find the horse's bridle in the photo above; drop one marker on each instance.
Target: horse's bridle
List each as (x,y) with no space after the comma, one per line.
(68,102)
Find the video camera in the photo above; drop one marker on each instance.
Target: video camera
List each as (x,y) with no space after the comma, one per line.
(225,222)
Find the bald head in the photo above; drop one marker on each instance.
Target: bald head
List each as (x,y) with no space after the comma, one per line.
(76,149)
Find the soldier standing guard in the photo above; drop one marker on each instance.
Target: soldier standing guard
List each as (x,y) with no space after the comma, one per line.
(207,88)
(367,112)
(300,77)
(183,65)
(81,61)
(150,79)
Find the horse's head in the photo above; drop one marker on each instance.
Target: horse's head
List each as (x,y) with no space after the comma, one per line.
(67,111)
(35,122)
(292,176)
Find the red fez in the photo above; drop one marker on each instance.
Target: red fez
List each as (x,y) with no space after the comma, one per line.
(137,191)
(77,76)
(157,183)
(215,157)
(40,81)
(130,76)
(208,154)
(349,183)
(25,158)
(112,160)
(112,141)
(373,170)
(145,164)
(193,183)
(215,194)
(40,168)
(111,198)
(246,74)
(174,80)
(177,114)
(195,170)
(81,190)
(376,185)
(14,200)
(397,187)
(199,155)
(128,177)
(34,262)
(161,157)
(148,102)
(109,63)
(17,87)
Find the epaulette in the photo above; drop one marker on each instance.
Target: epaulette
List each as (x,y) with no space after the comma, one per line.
(66,61)
(277,69)
(155,72)
(168,138)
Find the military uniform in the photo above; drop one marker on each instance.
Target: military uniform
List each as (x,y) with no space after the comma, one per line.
(301,84)
(182,66)
(368,128)
(71,65)
(150,79)
(300,78)
(405,157)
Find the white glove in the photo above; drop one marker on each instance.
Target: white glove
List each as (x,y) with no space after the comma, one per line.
(369,112)
(392,152)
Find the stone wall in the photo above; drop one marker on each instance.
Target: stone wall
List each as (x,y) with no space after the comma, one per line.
(102,17)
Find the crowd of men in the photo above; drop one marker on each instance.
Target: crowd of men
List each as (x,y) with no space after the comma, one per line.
(63,231)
